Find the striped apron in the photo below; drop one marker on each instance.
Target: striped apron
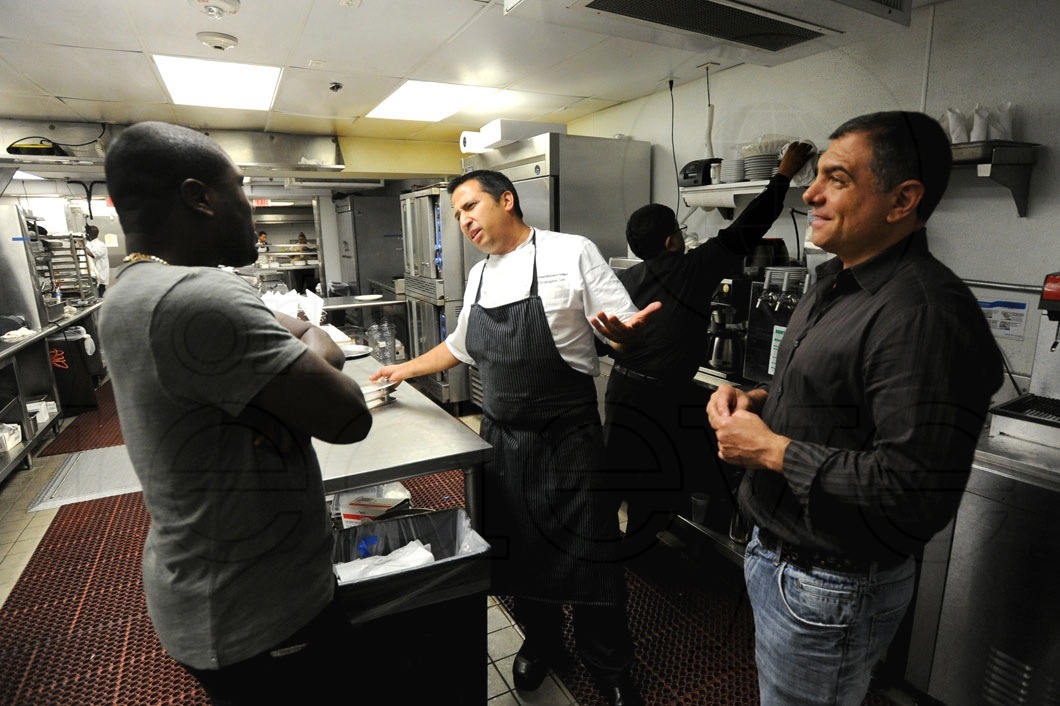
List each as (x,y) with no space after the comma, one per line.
(551,534)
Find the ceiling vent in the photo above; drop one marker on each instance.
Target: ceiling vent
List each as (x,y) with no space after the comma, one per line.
(713,19)
(726,32)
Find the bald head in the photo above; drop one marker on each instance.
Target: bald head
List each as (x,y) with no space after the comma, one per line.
(147,163)
(176,191)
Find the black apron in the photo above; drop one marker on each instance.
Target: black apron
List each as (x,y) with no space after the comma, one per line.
(551,534)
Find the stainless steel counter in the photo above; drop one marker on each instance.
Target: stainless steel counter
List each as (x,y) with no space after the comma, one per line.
(1020,460)
(353,302)
(411,436)
(7,349)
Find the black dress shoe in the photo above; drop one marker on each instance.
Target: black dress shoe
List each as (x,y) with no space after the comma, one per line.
(624,694)
(528,673)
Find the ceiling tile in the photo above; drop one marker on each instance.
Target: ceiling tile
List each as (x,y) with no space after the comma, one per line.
(586,106)
(267,32)
(374,38)
(506,49)
(306,92)
(102,74)
(101,24)
(592,73)
(220,118)
(13,84)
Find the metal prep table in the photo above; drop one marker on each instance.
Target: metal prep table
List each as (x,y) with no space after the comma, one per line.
(411,436)
(432,637)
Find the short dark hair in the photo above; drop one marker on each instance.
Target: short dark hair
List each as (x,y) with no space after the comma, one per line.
(493,183)
(906,145)
(91,232)
(648,228)
(146,164)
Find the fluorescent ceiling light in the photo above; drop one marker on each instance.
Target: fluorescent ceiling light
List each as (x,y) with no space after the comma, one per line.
(427,101)
(19,174)
(218,84)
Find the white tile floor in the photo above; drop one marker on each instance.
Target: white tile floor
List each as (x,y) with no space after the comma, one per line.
(502,642)
(21,531)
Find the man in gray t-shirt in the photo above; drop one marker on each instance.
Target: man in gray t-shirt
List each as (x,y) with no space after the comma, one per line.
(218,400)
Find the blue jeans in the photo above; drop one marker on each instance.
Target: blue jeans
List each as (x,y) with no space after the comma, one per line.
(818,633)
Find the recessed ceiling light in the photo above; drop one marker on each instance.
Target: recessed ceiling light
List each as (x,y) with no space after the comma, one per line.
(218,84)
(428,101)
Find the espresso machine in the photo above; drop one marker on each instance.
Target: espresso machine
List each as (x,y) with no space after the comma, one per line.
(772,301)
(728,327)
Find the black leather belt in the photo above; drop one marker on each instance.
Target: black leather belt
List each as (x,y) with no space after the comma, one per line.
(617,369)
(808,558)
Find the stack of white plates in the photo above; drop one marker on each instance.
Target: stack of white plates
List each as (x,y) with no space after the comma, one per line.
(732,170)
(760,166)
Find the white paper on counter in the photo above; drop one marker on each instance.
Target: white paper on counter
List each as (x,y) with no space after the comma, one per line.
(413,554)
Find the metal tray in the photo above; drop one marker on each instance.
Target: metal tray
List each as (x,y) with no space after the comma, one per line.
(983,151)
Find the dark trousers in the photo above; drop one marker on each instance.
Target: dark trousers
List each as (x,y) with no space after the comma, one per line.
(601,635)
(311,663)
(660,449)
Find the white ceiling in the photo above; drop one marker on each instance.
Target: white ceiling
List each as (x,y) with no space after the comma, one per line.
(78,61)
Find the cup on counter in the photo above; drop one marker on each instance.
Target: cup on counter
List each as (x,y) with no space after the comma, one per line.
(699,507)
(381,339)
(739,528)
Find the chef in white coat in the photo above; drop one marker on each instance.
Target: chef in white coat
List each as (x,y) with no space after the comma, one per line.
(529,328)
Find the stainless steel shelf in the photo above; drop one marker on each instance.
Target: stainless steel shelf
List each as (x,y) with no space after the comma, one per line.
(731,550)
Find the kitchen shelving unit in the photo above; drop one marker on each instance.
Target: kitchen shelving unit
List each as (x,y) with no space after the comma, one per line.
(1006,163)
(1002,161)
(62,262)
(26,378)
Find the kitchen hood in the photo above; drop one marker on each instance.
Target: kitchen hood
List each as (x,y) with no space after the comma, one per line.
(309,161)
(727,32)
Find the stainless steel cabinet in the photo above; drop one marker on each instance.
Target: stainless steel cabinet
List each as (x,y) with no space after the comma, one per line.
(999,631)
(436,267)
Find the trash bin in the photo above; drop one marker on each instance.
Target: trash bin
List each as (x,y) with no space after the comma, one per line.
(76,361)
(424,628)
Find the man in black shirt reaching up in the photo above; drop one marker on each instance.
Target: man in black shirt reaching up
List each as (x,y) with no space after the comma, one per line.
(859,450)
(655,425)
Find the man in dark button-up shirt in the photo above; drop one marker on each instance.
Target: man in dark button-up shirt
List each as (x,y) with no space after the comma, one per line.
(865,438)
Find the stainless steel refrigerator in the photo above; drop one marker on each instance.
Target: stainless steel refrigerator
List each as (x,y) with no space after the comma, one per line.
(574,184)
